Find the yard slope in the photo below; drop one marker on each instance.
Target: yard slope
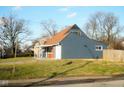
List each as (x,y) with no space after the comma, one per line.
(29,68)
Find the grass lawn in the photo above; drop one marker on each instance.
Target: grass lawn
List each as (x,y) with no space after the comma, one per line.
(18,59)
(31,68)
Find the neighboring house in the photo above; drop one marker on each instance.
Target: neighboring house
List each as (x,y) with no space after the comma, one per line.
(69,43)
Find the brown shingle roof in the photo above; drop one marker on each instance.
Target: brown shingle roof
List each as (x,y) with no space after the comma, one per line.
(58,37)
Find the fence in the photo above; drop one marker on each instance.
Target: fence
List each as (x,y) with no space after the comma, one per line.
(113,55)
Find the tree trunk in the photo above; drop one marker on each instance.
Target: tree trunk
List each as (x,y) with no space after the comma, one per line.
(13,50)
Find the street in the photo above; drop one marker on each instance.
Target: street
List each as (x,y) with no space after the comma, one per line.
(94,81)
(113,83)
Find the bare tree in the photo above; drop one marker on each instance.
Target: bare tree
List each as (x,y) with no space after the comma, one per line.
(12,32)
(119,43)
(103,27)
(49,27)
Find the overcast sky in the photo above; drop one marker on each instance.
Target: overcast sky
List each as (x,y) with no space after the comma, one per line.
(62,15)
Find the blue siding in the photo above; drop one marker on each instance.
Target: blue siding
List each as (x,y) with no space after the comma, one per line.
(74,46)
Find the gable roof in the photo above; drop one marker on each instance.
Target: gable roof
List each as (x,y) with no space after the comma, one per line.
(58,36)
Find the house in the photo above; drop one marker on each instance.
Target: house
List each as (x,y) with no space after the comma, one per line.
(69,43)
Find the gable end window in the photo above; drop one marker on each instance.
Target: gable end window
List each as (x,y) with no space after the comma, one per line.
(77,32)
(99,47)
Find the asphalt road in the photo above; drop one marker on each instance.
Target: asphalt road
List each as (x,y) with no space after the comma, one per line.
(113,83)
(94,81)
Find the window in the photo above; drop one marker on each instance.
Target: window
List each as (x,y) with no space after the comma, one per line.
(99,47)
(77,32)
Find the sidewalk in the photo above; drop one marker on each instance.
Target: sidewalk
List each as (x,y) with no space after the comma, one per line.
(57,81)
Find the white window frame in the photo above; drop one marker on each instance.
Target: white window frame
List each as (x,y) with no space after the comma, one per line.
(99,48)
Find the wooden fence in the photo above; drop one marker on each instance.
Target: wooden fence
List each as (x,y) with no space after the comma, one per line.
(113,55)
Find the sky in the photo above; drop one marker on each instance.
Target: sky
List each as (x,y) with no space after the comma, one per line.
(63,16)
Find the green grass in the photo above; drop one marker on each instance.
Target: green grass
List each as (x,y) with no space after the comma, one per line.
(31,68)
(17,59)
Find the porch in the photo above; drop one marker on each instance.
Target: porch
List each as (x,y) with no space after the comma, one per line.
(48,52)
